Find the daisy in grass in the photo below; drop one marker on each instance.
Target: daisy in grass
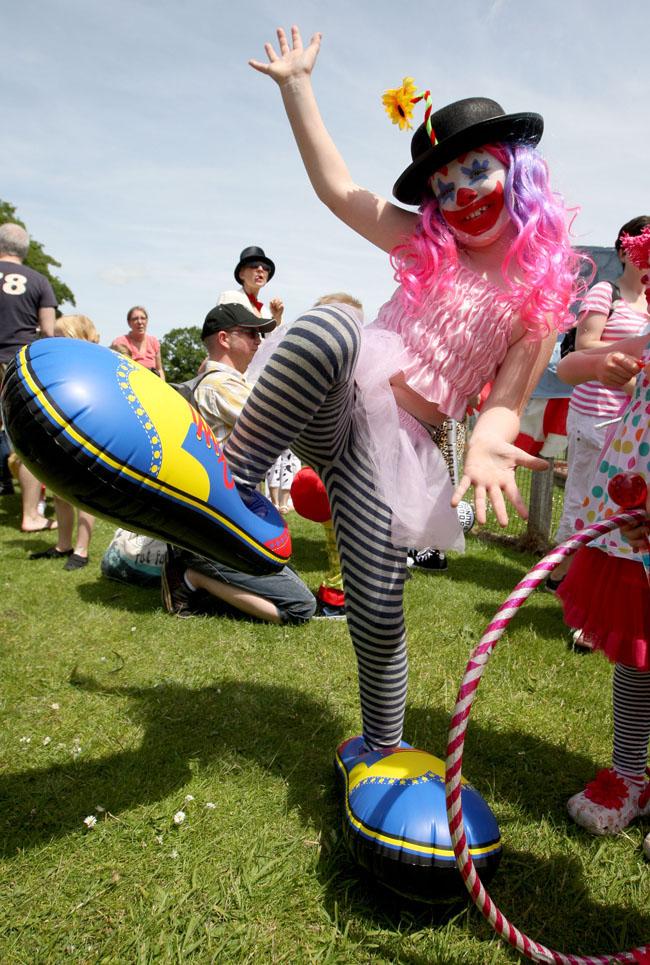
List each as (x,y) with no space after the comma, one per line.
(398,103)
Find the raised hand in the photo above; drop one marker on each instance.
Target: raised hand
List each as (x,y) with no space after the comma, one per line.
(490,468)
(292,61)
(276,307)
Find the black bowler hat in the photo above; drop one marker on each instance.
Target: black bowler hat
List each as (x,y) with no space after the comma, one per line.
(461,127)
(231,315)
(254,256)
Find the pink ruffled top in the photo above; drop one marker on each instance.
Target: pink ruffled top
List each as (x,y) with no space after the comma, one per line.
(455,342)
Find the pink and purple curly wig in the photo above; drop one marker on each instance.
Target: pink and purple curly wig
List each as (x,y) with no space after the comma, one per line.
(540,269)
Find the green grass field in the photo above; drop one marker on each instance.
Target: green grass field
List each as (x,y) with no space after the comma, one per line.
(115,710)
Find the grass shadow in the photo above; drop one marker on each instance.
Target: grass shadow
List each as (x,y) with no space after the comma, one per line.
(120,596)
(309,552)
(181,724)
(545,620)
(546,896)
(218,724)
(473,570)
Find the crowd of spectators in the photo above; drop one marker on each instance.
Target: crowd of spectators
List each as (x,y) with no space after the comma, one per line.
(233,331)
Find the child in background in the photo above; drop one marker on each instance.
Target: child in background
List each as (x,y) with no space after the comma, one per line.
(75,554)
(609,313)
(606,593)
(279,479)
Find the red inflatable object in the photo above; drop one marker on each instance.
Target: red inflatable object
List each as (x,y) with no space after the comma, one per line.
(309,496)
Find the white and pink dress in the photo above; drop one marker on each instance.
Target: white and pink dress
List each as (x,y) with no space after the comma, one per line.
(448,350)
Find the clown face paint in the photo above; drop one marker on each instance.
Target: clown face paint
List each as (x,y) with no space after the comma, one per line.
(470,195)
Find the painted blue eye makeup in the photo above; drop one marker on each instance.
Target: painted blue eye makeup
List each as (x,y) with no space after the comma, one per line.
(477,172)
(444,191)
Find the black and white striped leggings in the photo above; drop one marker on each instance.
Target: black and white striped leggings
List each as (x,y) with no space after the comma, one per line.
(303,399)
(631,692)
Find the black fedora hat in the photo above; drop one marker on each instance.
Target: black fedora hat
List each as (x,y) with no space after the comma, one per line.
(254,256)
(461,127)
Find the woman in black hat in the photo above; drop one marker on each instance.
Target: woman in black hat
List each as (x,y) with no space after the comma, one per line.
(487,275)
(253,271)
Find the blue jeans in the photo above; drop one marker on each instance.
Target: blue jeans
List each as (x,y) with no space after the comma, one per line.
(293,600)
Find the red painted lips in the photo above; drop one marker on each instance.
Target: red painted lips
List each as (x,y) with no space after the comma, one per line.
(479,216)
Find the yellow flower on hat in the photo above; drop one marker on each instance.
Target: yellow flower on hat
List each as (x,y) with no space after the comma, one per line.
(398,103)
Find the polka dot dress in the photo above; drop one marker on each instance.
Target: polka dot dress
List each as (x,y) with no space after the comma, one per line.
(628,450)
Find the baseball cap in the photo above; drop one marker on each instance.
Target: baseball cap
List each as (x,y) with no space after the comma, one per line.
(223,317)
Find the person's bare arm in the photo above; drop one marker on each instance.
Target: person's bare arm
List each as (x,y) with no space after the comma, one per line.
(378,220)
(611,366)
(46,319)
(615,369)
(411,401)
(589,331)
(491,458)
(159,366)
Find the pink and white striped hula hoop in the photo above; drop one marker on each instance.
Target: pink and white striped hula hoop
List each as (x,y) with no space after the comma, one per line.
(456,741)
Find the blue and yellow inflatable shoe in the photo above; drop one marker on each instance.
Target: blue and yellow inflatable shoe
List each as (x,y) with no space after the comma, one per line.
(110,436)
(395,821)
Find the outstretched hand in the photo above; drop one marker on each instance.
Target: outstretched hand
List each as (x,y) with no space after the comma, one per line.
(292,61)
(490,468)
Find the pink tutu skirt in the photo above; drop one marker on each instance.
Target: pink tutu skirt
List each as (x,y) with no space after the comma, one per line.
(410,473)
(608,598)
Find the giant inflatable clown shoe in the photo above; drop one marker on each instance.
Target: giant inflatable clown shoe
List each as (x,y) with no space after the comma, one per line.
(395,821)
(110,436)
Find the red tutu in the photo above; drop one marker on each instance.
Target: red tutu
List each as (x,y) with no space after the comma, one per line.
(608,598)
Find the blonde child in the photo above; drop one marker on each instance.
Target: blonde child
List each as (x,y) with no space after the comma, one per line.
(75,553)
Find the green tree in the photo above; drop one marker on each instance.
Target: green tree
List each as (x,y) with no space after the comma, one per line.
(37,258)
(182,352)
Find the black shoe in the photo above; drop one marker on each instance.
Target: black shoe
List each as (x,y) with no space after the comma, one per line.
(76,562)
(430,559)
(552,585)
(327,611)
(177,597)
(51,554)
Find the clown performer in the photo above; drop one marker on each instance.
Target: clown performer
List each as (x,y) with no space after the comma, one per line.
(487,275)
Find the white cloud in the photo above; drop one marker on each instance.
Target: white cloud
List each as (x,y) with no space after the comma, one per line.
(122,274)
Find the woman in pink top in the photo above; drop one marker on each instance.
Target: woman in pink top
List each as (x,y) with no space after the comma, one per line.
(139,346)
(607,314)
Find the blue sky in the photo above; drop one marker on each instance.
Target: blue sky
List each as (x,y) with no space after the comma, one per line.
(144,153)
